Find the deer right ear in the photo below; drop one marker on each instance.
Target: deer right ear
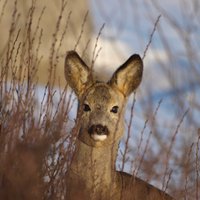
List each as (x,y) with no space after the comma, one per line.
(76,73)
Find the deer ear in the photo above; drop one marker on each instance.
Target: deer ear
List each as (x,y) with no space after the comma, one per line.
(128,76)
(76,73)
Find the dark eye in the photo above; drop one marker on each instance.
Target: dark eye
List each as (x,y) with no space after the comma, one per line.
(114,109)
(86,107)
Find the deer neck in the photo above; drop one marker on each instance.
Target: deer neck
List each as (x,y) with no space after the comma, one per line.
(91,161)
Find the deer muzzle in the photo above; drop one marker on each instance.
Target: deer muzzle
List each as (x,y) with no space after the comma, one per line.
(98,132)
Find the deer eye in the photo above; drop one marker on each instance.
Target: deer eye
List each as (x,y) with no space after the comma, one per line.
(86,107)
(114,109)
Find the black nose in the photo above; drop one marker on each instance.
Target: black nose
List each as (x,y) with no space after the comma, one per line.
(98,129)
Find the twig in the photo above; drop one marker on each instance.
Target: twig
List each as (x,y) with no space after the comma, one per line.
(151,37)
(148,139)
(82,30)
(197,165)
(170,147)
(129,132)
(95,46)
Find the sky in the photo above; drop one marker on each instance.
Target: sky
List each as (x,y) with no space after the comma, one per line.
(127,30)
(171,78)
(171,64)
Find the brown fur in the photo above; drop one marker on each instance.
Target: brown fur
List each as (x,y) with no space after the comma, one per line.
(92,174)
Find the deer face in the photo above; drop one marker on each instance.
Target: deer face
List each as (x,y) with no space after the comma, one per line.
(101,109)
(101,105)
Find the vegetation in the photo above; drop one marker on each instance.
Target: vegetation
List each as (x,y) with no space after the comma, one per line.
(36,138)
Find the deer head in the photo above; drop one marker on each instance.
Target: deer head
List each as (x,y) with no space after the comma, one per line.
(102,104)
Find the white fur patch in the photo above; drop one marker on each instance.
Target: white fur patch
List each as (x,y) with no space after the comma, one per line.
(99,137)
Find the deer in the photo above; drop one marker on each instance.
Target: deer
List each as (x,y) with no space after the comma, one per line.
(92,174)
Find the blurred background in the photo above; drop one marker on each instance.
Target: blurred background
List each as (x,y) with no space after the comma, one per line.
(166,116)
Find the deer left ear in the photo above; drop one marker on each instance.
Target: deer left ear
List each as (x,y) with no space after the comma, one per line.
(128,76)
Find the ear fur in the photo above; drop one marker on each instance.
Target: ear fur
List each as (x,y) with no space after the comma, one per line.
(76,73)
(128,76)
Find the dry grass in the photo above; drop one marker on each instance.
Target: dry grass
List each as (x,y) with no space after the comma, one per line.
(36,144)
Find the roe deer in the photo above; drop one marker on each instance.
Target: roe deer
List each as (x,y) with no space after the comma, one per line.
(92,173)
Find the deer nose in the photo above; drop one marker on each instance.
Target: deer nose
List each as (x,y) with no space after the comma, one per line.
(98,129)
